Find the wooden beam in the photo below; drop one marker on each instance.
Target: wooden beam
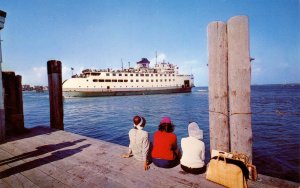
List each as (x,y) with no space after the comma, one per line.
(218,89)
(55,94)
(239,80)
(2,110)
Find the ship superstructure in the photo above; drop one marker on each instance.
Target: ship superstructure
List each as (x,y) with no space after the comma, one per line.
(141,80)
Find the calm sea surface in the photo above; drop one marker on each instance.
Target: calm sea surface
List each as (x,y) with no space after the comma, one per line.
(275,120)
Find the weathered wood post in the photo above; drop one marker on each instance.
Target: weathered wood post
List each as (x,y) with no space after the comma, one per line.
(239,80)
(19,116)
(8,81)
(55,94)
(2,110)
(13,103)
(218,86)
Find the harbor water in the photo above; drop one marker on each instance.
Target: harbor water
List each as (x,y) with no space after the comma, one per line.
(275,120)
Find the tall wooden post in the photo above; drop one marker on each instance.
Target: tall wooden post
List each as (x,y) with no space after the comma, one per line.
(2,110)
(218,89)
(239,80)
(19,116)
(9,101)
(55,94)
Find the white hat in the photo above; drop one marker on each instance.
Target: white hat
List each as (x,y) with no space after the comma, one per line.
(195,131)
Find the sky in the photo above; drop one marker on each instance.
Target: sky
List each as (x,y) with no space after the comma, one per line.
(101,34)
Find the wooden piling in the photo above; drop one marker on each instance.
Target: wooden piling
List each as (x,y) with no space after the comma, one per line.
(218,86)
(18,117)
(239,80)
(2,110)
(55,94)
(9,101)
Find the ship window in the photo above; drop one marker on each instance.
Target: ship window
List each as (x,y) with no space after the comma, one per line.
(87,80)
(137,74)
(142,80)
(131,80)
(95,74)
(146,74)
(156,74)
(147,80)
(142,74)
(114,80)
(107,74)
(114,74)
(137,80)
(131,74)
(169,74)
(151,74)
(120,74)
(161,80)
(151,80)
(166,80)
(156,80)
(173,79)
(120,80)
(107,80)
(165,75)
(101,80)
(126,81)
(95,80)
(126,74)
(169,80)
(160,75)
(173,75)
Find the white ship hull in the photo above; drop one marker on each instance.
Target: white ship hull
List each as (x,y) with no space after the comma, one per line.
(124,92)
(142,80)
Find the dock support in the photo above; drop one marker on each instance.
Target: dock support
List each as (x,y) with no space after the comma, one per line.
(218,86)
(13,103)
(2,110)
(55,94)
(18,118)
(229,86)
(239,80)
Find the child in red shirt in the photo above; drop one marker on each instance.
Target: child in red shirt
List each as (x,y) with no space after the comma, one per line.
(165,152)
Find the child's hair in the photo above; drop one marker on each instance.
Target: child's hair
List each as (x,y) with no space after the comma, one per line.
(167,127)
(138,119)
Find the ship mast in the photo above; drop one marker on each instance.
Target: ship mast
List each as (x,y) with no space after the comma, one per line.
(122,64)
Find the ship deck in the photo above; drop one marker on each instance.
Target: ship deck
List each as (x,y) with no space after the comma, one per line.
(45,157)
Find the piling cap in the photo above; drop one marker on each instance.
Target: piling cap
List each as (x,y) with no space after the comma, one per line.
(2,14)
(53,66)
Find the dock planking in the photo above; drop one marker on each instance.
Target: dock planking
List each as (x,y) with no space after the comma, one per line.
(45,157)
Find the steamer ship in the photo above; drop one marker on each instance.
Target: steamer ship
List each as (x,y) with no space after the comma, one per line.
(163,78)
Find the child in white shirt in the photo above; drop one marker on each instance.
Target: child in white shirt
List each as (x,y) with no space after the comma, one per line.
(193,151)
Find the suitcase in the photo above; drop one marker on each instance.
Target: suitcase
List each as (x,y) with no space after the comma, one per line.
(227,172)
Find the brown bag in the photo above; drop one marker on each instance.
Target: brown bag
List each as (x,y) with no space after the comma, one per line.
(245,159)
(227,174)
(252,172)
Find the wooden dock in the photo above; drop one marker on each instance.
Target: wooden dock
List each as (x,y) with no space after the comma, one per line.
(45,157)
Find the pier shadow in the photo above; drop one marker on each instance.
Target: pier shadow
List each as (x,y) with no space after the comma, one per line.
(41,150)
(30,132)
(55,156)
